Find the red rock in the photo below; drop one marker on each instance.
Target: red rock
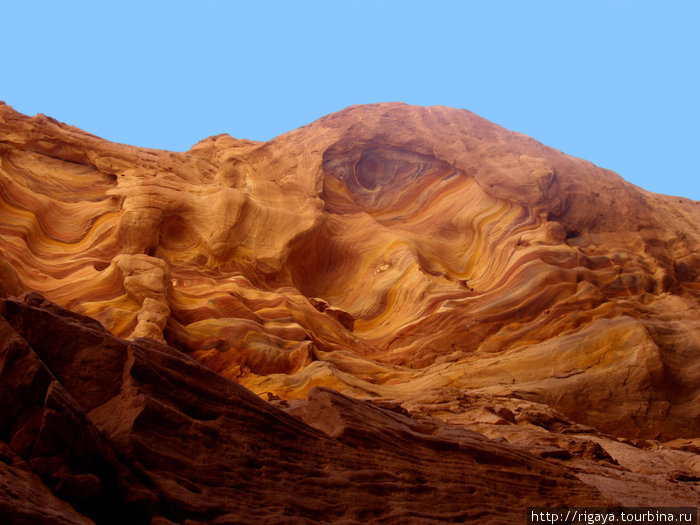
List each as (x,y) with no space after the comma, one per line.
(210,451)
(407,282)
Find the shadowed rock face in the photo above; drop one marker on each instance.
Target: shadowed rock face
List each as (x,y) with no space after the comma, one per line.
(128,431)
(463,283)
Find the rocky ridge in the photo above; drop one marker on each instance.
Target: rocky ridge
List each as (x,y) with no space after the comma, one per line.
(403,281)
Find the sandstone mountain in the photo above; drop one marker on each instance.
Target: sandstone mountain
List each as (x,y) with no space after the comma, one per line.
(445,320)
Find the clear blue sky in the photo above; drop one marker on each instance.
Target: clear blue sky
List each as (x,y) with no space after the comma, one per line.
(612,81)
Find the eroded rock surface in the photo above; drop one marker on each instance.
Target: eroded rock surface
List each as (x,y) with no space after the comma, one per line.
(455,279)
(124,432)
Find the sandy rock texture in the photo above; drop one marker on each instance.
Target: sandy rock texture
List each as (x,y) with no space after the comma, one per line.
(388,268)
(113,431)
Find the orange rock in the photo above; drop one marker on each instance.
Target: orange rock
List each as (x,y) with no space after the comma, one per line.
(382,251)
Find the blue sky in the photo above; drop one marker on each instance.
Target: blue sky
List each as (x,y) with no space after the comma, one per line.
(612,81)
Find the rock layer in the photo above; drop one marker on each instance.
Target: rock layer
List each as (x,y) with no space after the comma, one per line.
(421,259)
(149,433)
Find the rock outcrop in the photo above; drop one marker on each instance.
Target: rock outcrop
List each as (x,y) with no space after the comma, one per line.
(125,432)
(398,282)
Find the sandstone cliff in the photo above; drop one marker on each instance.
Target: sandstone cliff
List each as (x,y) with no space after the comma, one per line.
(466,286)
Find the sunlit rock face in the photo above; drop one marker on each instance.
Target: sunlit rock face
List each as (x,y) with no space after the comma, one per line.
(446,321)
(385,251)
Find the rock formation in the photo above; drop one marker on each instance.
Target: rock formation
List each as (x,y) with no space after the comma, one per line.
(446,320)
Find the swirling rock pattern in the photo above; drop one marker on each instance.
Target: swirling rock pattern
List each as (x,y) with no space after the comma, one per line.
(413,256)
